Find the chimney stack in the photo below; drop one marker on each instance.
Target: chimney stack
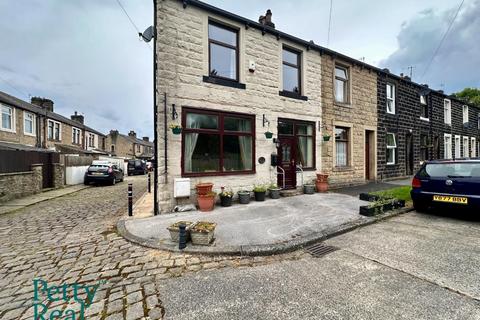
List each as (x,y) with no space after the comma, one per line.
(146,139)
(43,103)
(132,134)
(77,117)
(266,20)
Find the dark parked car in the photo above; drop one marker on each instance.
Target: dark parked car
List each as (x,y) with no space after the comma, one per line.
(453,183)
(137,167)
(103,172)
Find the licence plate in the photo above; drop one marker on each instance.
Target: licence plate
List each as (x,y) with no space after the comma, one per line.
(98,173)
(460,200)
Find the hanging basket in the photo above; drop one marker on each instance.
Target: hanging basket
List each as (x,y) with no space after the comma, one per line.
(176,130)
(326,138)
(268,135)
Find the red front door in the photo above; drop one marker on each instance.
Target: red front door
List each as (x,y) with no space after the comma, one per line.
(286,156)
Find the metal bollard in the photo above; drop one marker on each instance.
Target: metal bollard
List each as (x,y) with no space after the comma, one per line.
(130,199)
(182,237)
(149,183)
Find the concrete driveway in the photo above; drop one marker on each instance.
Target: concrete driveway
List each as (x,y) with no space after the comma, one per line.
(413,266)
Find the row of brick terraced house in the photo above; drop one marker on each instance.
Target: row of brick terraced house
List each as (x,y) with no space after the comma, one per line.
(227,81)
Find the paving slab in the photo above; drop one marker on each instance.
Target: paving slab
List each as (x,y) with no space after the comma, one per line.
(259,228)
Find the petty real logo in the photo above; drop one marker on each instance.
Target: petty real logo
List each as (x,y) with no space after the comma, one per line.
(78,298)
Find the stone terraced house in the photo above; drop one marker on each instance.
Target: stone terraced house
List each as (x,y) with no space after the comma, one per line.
(229,82)
(129,146)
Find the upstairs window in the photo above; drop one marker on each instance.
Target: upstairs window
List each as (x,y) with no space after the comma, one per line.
(75,136)
(465,114)
(341,84)
(91,140)
(28,123)
(423,107)
(390,98)
(291,70)
(7,119)
(54,129)
(223,51)
(447,111)
(391,148)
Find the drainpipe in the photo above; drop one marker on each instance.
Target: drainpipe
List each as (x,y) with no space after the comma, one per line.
(155,112)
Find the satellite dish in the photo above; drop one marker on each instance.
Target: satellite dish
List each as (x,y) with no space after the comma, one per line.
(147,35)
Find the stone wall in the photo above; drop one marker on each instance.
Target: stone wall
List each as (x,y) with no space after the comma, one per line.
(182,59)
(20,184)
(123,146)
(359,115)
(58,175)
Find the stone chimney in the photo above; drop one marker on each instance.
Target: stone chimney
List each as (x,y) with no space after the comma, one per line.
(146,139)
(266,20)
(114,132)
(77,117)
(132,134)
(43,103)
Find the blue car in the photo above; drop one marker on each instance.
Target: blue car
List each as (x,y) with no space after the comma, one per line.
(454,183)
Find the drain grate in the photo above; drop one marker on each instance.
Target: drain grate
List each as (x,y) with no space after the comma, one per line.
(320,249)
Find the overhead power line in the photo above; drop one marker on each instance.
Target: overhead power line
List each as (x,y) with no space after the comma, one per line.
(329,23)
(443,38)
(14,88)
(131,20)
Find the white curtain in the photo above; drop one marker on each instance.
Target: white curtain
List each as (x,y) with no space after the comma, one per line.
(245,143)
(341,153)
(190,143)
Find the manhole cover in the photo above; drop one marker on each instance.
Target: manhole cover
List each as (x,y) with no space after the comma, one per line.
(320,249)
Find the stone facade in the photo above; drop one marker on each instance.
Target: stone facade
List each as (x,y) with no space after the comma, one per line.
(128,146)
(182,63)
(19,136)
(20,184)
(58,175)
(359,116)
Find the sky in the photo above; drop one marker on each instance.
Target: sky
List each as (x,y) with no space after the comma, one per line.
(86,56)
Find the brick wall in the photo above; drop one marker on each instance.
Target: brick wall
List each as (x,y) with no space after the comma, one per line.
(182,57)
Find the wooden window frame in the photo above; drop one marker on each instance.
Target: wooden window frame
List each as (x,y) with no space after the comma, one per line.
(298,66)
(226,45)
(221,132)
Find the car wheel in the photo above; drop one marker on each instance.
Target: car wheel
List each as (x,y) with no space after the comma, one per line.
(114,181)
(85,182)
(420,206)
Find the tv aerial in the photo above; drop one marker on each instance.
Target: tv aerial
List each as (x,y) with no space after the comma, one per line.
(147,35)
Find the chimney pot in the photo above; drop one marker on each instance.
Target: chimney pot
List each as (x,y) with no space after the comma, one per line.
(146,139)
(78,117)
(132,134)
(42,103)
(266,20)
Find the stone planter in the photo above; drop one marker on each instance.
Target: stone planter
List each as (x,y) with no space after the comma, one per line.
(206,202)
(225,201)
(175,231)
(260,195)
(204,188)
(244,197)
(274,193)
(308,188)
(203,233)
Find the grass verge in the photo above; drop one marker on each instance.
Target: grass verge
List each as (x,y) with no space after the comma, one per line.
(401,193)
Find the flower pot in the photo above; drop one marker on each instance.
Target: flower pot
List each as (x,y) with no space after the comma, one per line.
(274,193)
(204,188)
(176,130)
(260,195)
(244,197)
(268,135)
(322,177)
(206,203)
(321,186)
(308,189)
(175,231)
(326,138)
(202,233)
(225,201)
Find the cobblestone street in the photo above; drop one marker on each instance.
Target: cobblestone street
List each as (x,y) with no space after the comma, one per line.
(72,239)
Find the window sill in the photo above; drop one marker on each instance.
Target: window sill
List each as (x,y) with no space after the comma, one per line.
(342,169)
(391,113)
(342,104)
(391,164)
(224,82)
(29,134)
(425,119)
(8,130)
(292,95)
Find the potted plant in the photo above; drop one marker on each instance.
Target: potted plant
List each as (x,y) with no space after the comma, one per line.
(268,135)
(244,196)
(274,191)
(204,188)
(259,192)
(176,128)
(175,230)
(326,137)
(206,202)
(322,182)
(202,233)
(226,197)
(309,188)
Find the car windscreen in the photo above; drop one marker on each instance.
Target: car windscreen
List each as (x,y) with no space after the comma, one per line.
(452,170)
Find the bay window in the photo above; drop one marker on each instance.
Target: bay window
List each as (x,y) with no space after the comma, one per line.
(223,51)
(217,143)
(391,148)
(341,146)
(8,119)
